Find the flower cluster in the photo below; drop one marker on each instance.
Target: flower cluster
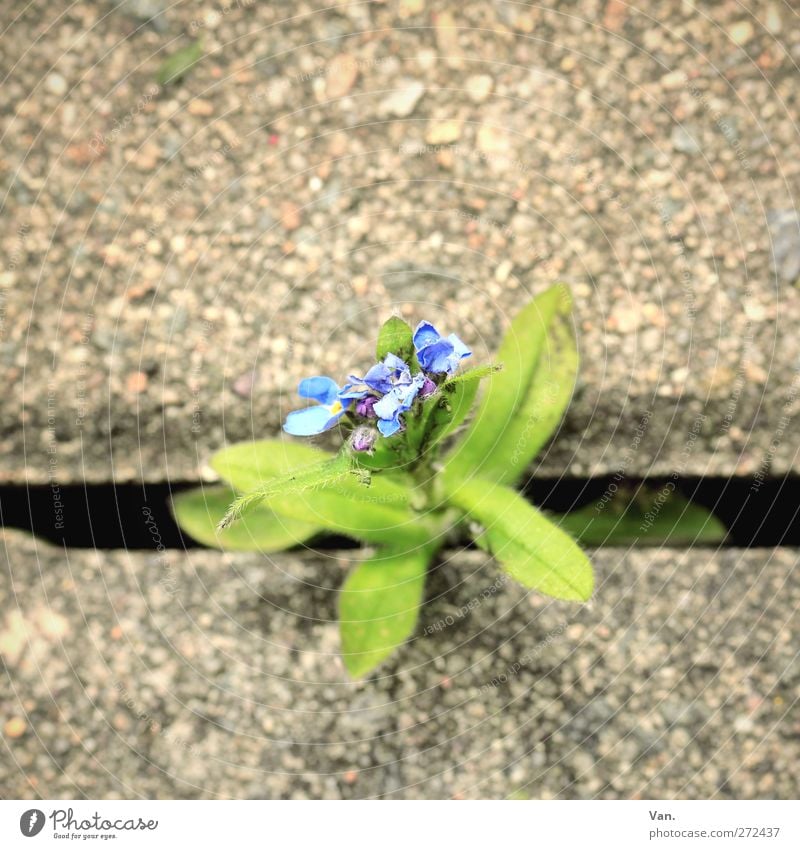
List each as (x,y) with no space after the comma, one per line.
(382,395)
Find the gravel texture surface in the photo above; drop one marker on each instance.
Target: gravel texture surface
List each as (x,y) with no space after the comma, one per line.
(202,675)
(174,259)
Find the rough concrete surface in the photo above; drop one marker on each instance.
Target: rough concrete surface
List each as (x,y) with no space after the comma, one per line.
(202,675)
(174,259)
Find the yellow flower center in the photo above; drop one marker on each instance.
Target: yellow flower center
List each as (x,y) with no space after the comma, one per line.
(336,407)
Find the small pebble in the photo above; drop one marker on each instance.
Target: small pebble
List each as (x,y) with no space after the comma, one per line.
(772,21)
(403,100)
(56,84)
(443,132)
(673,80)
(290,215)
(15,727)
(136,383)
(479,87)
(408,8)
(741,33)
(493,140)
(342,74)
(683,141)
(200,107)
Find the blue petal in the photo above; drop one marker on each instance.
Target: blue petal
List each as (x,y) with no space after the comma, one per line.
(352,391)
(425,334)
(460,349)
(436,358)
(392,361)
(310,421)
(322,389)
(388,427)
(387,407)
(407,394)
(403,378)
(379,378)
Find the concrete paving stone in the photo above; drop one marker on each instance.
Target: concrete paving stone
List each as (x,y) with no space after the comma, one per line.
(174,260)
(206,675)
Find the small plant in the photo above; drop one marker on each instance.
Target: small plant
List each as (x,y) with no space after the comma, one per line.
(176,66)
(644,515)
(414,472)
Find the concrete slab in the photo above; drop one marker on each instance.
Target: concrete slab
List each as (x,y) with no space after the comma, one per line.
(203,675)
(175,260)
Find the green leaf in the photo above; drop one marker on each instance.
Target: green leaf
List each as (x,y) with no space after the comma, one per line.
(396,337)
(447,409)
(176,66)
(528,545)
(314,476)
(387,456)
(363,517)
(245,465)
(472,375)
(542,408)
(378,513)
(199,511)
(480,451)
(379,606)
(650,517)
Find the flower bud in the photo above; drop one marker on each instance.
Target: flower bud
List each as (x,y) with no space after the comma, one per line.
(428,388)
(363,439)
(365,405)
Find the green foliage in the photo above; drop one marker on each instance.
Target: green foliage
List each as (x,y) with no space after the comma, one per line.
(388,457)
(296,482)
(542,408)
(299,482)
(405,501)
(533,550)
(396,337)
(453,403)
(647,517)
(379,606)
(178,65)
(246,465)
(363,519)
(445,411)
(200,511)
(493,436)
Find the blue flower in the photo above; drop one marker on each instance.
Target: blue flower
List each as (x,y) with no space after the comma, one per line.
(324,415)
(437,354)
(385,392)
(395,402)
(381,378)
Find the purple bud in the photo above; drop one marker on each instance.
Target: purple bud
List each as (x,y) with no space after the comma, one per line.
(365,405)
(363,439)
(428,388)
